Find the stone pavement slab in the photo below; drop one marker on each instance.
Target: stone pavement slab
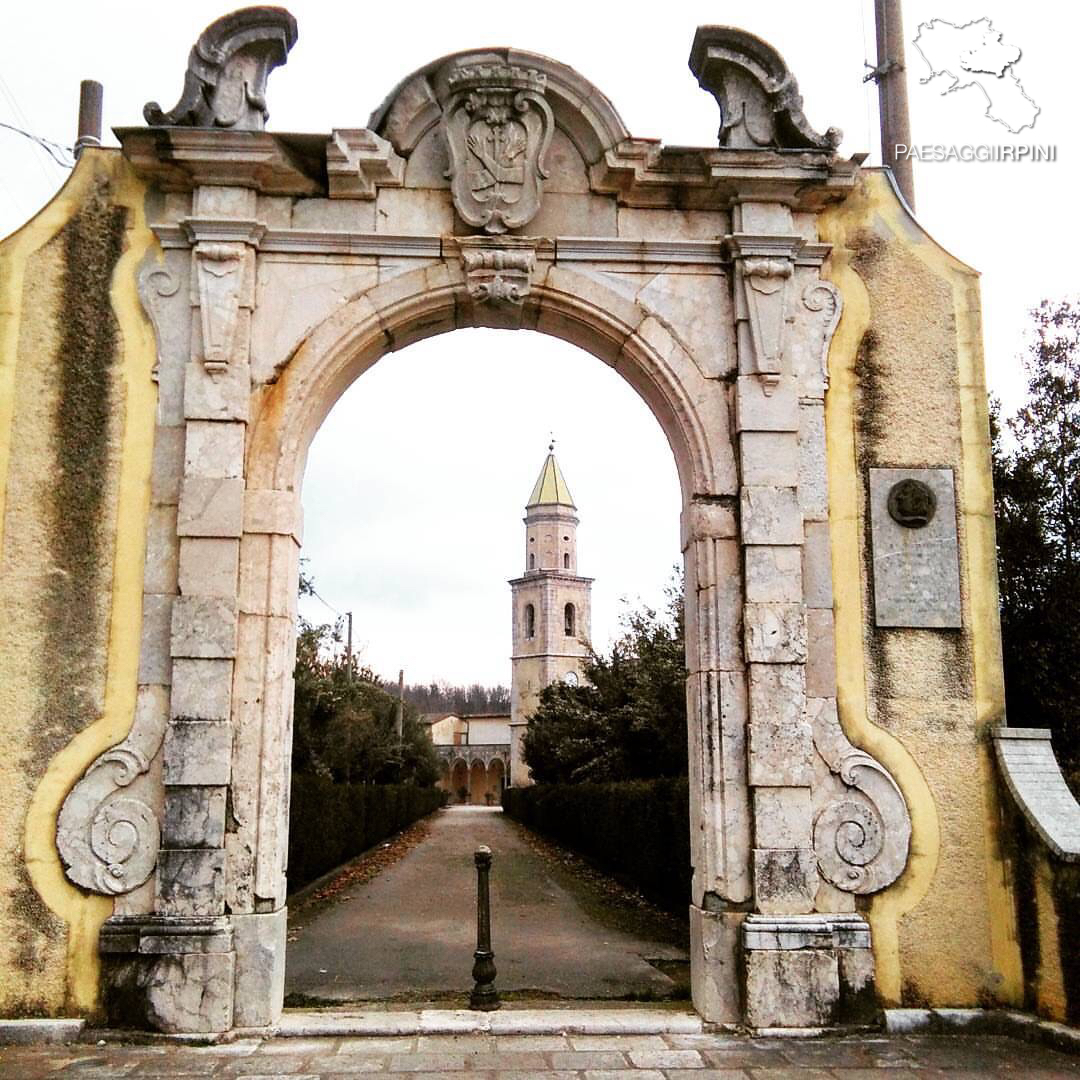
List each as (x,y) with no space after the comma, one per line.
(551,1057)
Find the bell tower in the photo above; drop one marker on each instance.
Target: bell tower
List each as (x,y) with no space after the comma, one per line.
(551,605)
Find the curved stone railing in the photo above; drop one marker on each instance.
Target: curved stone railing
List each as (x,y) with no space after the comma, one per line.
(1032,775)
(1041,844)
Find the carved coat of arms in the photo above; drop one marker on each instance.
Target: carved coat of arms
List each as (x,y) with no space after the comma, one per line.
(498,127)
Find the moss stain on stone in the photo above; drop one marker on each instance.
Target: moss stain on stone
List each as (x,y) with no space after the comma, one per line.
(69,662)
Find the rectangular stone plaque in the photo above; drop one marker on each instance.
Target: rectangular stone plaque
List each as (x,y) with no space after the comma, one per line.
(916,566)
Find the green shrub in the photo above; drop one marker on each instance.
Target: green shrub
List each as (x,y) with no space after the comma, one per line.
(331,823)
(637,829)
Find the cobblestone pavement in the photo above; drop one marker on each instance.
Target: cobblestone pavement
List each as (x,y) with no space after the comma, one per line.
(559,1057)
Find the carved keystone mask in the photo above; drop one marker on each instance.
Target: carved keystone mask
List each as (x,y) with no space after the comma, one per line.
(497,127)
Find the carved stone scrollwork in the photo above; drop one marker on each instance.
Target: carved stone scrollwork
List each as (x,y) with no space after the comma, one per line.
(862,837)
(825,297)
(498,275)
(219,271)
(760,104)
(107,838)
(225,82)
(156,283)
(497,126)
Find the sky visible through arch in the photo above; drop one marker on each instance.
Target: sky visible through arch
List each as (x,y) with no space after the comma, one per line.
(416,487)
(1014,222)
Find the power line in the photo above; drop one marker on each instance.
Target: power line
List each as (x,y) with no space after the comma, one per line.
(23,119)
(47,145)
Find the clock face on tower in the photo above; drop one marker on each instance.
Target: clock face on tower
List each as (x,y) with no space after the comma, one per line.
(570,678)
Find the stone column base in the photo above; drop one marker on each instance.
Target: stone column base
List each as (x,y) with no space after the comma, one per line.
(172,974)
(808,971)
(260,968)
(714,964)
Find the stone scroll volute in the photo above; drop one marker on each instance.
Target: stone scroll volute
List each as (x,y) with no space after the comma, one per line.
(862,831)
(108,838)
(498,127)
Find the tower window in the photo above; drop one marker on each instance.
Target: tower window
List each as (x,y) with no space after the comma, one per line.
(566,560)
(569,620)
(532,562)
(530,621)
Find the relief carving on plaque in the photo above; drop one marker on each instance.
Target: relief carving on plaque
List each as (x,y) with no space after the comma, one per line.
(498,126)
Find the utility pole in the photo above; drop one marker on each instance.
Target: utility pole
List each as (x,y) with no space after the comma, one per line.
(89,134)
(891,78)
(400,704)
(348,647)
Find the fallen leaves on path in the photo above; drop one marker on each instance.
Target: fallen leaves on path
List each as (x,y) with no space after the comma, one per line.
(358,872)
(620,901)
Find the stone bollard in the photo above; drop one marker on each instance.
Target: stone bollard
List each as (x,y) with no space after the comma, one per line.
(484,996)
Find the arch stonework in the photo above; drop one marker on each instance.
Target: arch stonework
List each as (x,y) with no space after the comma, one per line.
(697,275)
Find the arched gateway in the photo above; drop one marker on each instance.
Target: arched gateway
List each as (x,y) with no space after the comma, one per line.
(498,188)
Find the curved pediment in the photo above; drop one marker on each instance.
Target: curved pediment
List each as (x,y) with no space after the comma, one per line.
(415,106)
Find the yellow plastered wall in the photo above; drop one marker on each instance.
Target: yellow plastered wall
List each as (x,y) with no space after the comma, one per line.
(67,683)
(907,388)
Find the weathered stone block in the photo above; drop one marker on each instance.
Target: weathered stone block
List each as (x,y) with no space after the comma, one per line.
(708,521)
(214,448)
(201,689)
(185,993)
(211,507)
(198,752)
(774,633)
(273,512)
(858,995)
(813,475)
(269,569)
(209,566)
(769,458)
(773,574)
(780,753)
(820,654)
(155,664)
(260,968)
(194,817)
(218,395)
(191,881)
(770,515)
(783,817)
(757,411)
(203,627)
(817,565)
(785,880)
(167,469)
(791,988)
(714,964)
(161,545)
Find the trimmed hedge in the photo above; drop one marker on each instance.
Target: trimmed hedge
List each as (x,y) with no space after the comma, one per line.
(330,823)
(638,829)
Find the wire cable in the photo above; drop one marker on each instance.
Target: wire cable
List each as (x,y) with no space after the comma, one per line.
(46,144)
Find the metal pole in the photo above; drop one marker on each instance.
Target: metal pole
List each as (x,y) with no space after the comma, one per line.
(400,704)
(891,78)
(348,647)
(484,996)
(90,98)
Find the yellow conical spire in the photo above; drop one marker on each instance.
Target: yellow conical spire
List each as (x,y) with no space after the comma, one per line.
(550,486)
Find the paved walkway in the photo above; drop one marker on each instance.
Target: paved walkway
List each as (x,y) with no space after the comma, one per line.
(410,932)
(532,1057)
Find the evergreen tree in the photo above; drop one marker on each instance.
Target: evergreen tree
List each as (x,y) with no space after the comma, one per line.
(1037,508)
(627,720)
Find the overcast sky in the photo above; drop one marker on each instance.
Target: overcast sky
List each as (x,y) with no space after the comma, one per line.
(416,484)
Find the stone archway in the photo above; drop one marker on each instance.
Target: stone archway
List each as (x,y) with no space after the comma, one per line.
(694,273)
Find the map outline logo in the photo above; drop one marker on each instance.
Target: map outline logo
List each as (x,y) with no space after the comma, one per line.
(975,54)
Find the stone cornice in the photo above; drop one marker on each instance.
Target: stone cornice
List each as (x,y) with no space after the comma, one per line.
(640,172)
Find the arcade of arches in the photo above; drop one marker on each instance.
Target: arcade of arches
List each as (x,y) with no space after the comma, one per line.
(806,348)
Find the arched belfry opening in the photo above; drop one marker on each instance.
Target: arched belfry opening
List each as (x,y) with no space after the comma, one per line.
(289,265)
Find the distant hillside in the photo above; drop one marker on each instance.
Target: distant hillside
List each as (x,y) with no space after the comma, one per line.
(463,700)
